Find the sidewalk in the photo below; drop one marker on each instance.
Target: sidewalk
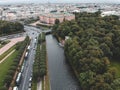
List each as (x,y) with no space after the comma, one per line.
(39,85)
(10,44)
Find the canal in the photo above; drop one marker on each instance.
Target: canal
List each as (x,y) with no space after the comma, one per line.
(60,74)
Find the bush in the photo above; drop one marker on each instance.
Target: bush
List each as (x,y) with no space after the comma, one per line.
(11,72)
(8,80)
(13,67)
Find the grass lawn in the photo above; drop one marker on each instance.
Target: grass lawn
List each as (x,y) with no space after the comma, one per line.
(34,85)
(42,84)
(116,64)
(7,52)
(47,83)
(4,66)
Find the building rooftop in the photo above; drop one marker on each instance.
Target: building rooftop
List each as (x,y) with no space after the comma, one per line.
(57,15)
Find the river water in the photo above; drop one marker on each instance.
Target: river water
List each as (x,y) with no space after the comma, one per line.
(60,74)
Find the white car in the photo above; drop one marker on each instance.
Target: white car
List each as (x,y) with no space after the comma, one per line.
(15,88)
(30,79)
(29,88)
(30,85)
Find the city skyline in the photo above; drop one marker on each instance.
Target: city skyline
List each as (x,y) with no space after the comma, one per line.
(56,1)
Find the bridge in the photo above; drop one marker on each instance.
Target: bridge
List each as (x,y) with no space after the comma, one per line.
(47,31)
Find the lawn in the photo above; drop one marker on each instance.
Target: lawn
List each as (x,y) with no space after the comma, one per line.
(116,64)
(47,82)
(7,52)
(34,85)
(4,66)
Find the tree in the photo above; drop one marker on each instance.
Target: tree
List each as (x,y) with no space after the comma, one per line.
(93,41)
(8,80)
(116,84)
(57,21)
(86,79)
(7,27)
(107,52)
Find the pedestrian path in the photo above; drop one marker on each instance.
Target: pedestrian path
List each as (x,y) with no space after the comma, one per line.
(39,85)
(10,44)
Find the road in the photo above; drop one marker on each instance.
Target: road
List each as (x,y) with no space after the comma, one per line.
(29,30)
(12,36)
(28,64)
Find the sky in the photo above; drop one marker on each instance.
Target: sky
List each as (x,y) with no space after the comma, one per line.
(58,1)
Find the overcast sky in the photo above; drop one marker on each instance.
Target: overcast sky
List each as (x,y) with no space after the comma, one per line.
(58,1)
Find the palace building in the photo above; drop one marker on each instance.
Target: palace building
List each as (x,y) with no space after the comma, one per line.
(49,18)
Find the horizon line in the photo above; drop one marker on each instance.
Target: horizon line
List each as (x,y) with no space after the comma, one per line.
(8,3)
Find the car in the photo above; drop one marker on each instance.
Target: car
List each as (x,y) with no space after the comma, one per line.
(15,88)
(31,74)
(30,79)
(29,88)
(30,85)
(33,48)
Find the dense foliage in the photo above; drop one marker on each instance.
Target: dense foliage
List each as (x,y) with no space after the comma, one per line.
(39,69)
(41,38)
(30,20)
(20,47)
(3,42)
(10,27)
(94,41)
(43,26)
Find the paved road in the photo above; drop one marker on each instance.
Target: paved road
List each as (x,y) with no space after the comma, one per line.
(28,64)
(12,36)
(28,30)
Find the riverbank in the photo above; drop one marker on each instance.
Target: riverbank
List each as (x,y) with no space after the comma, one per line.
(46,78)
(61,42)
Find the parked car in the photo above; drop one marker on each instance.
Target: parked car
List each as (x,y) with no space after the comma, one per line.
(30,79)
(30,85)
(15,88)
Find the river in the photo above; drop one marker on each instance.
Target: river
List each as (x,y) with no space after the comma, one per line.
(60,74)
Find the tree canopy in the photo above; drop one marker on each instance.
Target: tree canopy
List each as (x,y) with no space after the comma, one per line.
(7,27)
(94,41)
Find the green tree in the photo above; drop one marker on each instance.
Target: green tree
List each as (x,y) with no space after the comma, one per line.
(57,21)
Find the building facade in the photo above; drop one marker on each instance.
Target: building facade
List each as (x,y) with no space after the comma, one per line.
(51,17)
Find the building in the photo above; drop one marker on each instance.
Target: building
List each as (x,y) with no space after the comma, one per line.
(108,13)
(50,18)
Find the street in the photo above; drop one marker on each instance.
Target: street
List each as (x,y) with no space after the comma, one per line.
(28,64)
